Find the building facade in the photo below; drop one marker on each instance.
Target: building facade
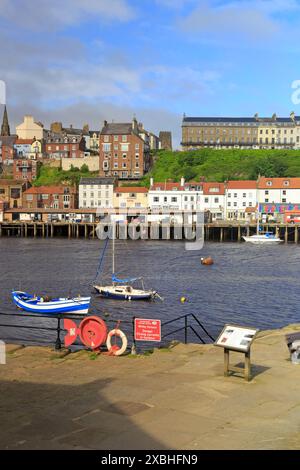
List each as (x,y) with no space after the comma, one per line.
(240,196)
(63,146)
(131,198)
(96,193)
(29,129)
(165,139)
(50,197)
(11,192)
(169,196)
(25,169)
(245,133)
(123,152)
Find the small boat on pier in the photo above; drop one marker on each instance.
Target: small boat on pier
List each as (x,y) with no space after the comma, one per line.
(39,304)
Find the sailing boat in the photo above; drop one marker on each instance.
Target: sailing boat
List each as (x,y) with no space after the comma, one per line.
(262,238)
(121,288)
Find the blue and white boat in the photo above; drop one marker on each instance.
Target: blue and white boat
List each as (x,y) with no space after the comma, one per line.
(37,304)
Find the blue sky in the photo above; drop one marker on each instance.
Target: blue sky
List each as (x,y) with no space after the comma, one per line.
(78,62)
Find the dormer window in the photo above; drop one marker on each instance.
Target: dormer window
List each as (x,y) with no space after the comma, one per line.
(286,183)
(269,183)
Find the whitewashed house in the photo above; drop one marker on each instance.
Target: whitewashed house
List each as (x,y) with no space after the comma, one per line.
(279,190)
(240,195)
(213,200)
(96,193)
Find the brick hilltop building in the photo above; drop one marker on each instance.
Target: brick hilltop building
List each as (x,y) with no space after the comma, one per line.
(50,197)
(123,151)
(65,146)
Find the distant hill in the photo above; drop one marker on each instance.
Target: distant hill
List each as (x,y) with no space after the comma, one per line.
(221,165)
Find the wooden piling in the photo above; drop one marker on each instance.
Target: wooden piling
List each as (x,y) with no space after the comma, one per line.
(286,235)
(296,234)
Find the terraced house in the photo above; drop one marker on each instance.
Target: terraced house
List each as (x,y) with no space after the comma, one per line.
(124,153)
(241,132)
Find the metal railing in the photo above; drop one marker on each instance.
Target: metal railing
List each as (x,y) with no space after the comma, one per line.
(51,324)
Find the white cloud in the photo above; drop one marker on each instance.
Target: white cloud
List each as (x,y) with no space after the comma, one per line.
(256,19)
(41,15)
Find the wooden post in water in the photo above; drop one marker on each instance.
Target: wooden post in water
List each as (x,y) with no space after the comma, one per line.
(239,233)
(52,229)
(25,230)
(221,234)
(286,235)
(69,230)
(0,230)
(77,231)
(85,231)
(34,229)
(296,234)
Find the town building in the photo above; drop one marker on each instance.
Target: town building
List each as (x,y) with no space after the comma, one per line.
(170,196)
(7,149)
(240,195)
(11,192)
(241,132)
(25,169)
(91,137)
(131,198)
(50,197)
(96,193)
(213,200)
(63,146)
(123,152)
(165,138)
(29,129)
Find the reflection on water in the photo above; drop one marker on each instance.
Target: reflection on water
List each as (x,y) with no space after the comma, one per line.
(251,285)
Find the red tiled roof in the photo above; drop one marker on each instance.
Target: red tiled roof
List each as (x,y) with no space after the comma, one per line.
(24,141)
(167,186)
(247,184)
(48,190)
(8,182)
(208,188)
(133,189)
(279,183)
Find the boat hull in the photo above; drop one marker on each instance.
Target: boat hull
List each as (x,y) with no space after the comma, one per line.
(31,304)
(256,240)
(111,293)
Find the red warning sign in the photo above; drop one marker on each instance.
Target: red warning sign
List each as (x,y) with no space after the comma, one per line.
(146,329)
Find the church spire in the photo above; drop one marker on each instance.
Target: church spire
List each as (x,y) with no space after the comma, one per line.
(5,131)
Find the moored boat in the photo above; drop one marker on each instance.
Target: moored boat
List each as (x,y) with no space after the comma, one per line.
(39,304)
(263,239)
(125,292)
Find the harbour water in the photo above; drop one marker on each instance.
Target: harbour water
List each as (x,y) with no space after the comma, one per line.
(248,285)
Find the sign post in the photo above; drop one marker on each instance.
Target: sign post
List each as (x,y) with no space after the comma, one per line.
(146,329)
(238,339)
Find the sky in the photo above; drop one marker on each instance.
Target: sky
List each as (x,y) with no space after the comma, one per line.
(84,61)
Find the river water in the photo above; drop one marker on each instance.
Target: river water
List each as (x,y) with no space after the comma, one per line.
(248,285)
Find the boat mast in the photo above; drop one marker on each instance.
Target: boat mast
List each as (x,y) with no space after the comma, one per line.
(257,215)
(113,247)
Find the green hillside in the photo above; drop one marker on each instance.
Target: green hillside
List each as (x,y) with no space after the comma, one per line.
(49,175)
(221,165)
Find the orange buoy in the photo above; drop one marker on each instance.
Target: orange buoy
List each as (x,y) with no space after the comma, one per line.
(208,261)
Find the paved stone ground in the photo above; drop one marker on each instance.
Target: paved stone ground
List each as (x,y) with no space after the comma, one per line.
(172,399)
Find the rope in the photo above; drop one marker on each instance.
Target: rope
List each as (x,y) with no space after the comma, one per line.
(101,258)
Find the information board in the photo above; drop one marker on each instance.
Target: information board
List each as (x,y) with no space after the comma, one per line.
(237,338)
(146,329)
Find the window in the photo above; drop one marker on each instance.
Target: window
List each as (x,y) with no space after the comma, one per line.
(229,194)
(137,155)
(116,147)
(173,199)
(269,183)
(116,138)
(124,147)
(286,183)
(137,164)
(106,138)
(132,195)
(235,204)
(156,199)
(250,204)
(106,147)
(137,147)
(284,192)
(229,204)
(29,197)
(45,196)
(124,164)
(235,195)
(266,193)
(124,138)
(244,194)
(216,200)
(244,204)
(206,200)
(283,200)
(266,200)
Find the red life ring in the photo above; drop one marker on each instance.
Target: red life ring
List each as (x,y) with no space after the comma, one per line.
(115,350)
